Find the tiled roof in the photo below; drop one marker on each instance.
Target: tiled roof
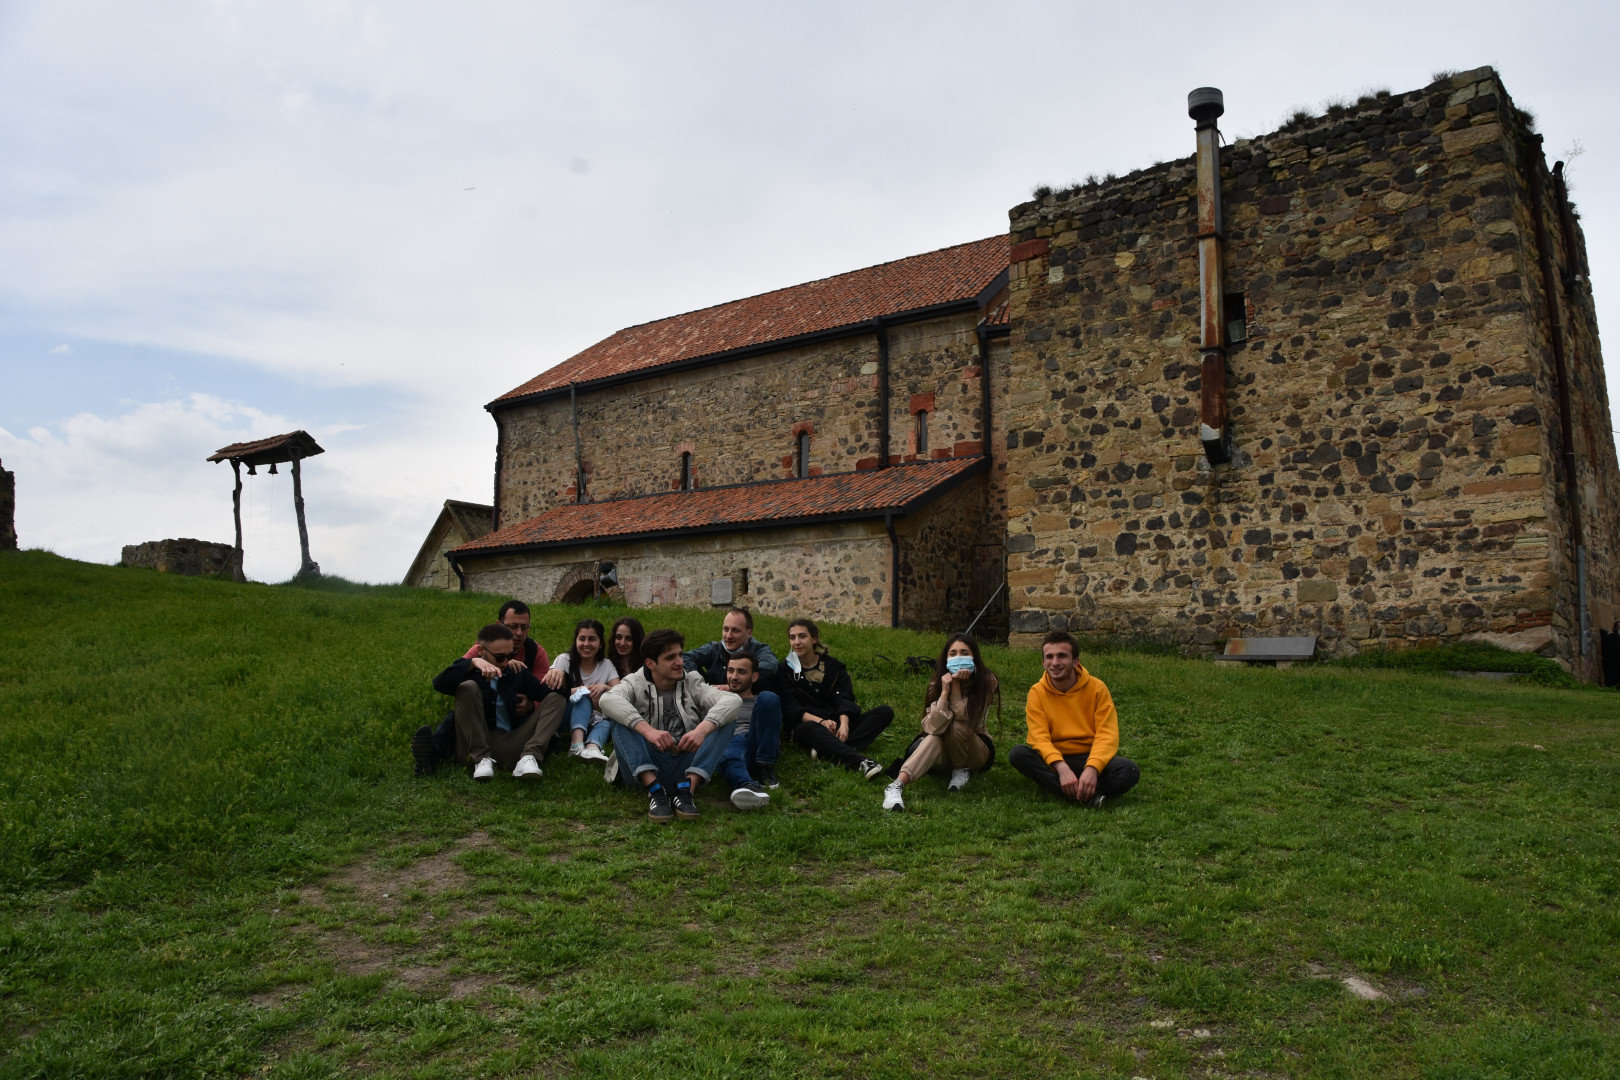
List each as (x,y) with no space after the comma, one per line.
(265,451)
(921,281)
(869,493)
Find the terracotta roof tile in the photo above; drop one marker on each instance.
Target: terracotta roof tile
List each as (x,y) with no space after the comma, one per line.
(854,494)
(937,277)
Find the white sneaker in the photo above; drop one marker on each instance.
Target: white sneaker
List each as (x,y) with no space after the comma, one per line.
(812,755)
(527,768)
(592,752)
(611,773)
(484,771)
(576,750)
(892,798)
(959,779)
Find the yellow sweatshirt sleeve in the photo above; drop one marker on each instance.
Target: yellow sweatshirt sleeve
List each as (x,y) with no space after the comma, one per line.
(1040,728)
(1105,741)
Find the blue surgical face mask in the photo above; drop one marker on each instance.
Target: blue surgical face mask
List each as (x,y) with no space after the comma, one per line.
(956,664)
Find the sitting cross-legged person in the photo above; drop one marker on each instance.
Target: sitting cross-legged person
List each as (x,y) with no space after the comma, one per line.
(818,704)
(1073,749)
(955,737)
(672,728)
(504,716)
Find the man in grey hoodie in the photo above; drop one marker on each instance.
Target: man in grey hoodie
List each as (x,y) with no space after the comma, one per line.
(673,727)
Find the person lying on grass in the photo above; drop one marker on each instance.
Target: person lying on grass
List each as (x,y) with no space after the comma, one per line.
(1073,731)
(430,746)
(506,719)
(756,735)
(584,674)
(672,727)
(954,737)
(818,703)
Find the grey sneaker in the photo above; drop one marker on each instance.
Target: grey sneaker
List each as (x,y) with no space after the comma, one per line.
(959,779)
(750,797)
(767,774)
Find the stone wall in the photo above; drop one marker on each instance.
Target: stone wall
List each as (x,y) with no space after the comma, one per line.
(838,572)
(740,420)
(8,510)
(193,558)
(1390,404)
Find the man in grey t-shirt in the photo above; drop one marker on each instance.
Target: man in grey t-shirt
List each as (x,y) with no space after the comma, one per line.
(756,736)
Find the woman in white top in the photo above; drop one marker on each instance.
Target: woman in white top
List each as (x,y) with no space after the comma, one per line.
(586,673)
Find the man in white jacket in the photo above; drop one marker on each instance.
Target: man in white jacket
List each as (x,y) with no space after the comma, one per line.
(673,727)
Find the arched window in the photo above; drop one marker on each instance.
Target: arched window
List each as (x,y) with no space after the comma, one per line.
(922,432)
(686,470)
(802,466)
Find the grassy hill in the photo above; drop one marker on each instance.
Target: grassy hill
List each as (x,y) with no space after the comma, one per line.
(214,861)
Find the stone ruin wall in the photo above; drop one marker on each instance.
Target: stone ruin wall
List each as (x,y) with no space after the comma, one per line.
(8,510)
(740,419)
(192,558)
(1390,406)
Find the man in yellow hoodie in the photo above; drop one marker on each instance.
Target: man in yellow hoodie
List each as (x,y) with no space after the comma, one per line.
(1073,732)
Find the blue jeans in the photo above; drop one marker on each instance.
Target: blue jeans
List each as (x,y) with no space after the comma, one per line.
(758,745)
(579,719)
(637,755)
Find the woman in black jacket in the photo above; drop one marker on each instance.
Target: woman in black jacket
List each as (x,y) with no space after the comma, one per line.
(818,704)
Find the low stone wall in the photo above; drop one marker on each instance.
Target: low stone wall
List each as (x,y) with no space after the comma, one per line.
(193,558)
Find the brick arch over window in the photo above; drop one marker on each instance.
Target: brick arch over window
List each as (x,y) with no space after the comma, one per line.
(579,574)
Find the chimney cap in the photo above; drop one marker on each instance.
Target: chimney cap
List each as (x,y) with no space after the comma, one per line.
(1205,104)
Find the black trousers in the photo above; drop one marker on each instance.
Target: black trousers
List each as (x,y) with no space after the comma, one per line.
(1116,778)
(863,730)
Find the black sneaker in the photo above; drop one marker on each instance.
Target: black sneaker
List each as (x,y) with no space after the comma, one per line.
(750,796)
(660,810)
(422,749)
(868,768)
(1096,801)
(685,808)
(767,775)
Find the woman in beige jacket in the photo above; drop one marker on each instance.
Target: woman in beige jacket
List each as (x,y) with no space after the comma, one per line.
(955,735)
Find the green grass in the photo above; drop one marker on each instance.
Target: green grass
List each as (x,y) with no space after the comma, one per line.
(1464,656)
(205,795)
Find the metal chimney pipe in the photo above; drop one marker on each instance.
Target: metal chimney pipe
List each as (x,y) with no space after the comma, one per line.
(1205,105)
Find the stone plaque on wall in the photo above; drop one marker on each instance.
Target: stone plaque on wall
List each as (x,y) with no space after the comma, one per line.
(720,591)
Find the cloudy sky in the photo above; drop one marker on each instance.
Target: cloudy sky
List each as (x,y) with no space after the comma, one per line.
(230,219)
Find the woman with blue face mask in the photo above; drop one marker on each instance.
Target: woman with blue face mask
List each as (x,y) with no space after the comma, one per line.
(955,735)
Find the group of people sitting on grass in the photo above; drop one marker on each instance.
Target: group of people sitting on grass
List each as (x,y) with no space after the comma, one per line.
(680,718)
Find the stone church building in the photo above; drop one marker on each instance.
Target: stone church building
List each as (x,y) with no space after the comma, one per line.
(1343,379)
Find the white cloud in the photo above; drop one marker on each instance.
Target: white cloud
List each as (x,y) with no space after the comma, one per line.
(64,348)
(97,483)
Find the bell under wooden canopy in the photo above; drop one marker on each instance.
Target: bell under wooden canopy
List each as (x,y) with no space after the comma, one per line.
(293,446)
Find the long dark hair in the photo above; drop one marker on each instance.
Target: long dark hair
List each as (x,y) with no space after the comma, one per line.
(980,688)
(576,677)
(628,664)
(815,635)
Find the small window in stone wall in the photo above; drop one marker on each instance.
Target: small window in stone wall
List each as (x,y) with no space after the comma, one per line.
(803,465)
(922,432)
(742,580)
(1235,309)
(686,470)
